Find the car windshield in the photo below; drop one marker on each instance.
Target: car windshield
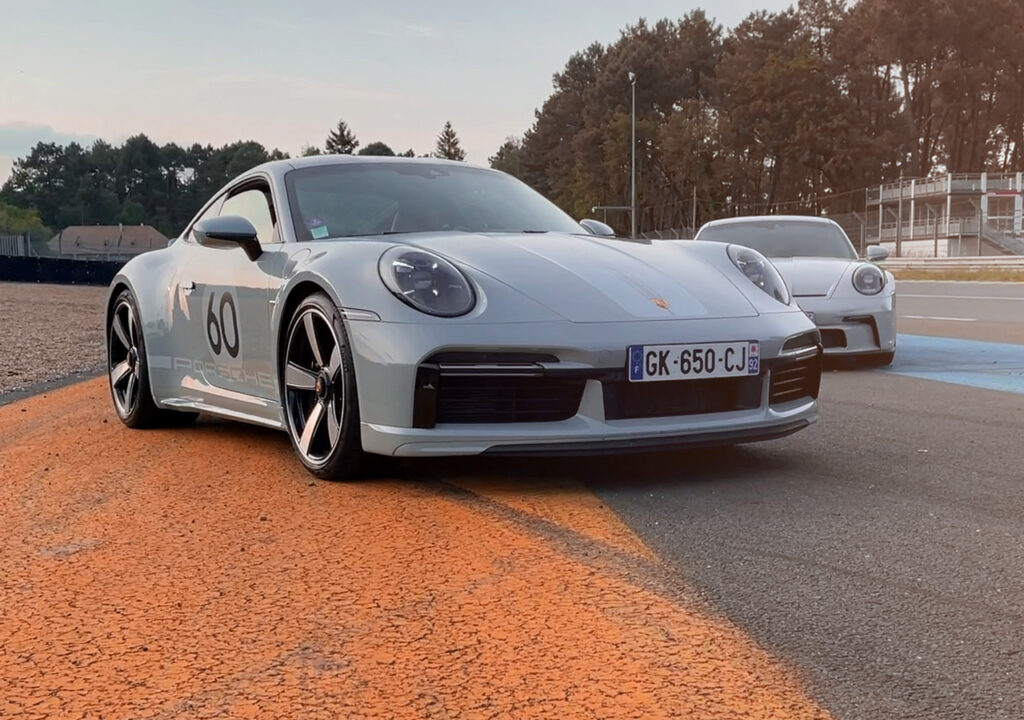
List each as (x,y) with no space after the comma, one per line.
(784,238)
(358,199)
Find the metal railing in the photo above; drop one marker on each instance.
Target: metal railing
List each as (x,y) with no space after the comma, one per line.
(15,245)
(956,263)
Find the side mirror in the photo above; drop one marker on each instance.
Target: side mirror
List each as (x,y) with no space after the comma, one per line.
(596,227)
(877,253)
(228,231)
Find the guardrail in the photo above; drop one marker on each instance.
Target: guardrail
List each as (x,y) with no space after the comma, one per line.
(956,263)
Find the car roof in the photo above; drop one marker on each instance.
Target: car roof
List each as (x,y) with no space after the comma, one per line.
(774,218)
(281,166)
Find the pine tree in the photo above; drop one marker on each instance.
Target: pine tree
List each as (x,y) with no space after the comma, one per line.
(377,148)
(341,140)
(507,159)
(448,146)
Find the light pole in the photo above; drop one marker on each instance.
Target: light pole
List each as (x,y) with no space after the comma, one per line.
(632,173)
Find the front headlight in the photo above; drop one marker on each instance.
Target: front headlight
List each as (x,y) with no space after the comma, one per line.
(426,281)
(868,279)
(759,271)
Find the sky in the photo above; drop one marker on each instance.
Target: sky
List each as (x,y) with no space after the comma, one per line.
(283,73)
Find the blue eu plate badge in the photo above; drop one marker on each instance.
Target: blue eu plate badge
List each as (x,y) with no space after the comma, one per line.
(754,362)
(636,363)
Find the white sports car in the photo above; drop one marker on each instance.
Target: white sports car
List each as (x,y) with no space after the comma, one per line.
(852,301)
(421,307)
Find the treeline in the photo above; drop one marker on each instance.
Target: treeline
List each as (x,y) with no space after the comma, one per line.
(142,182)
(788,111)
(138,182)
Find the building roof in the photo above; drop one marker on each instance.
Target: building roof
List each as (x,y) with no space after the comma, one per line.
(118,239)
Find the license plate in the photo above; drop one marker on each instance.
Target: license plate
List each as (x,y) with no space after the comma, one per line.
(693,361)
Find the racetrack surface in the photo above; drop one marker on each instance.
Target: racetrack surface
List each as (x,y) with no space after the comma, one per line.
(972,310)
(869,567)
(202,573)
(880,551)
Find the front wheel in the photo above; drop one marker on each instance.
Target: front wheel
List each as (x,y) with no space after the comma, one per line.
(319,391)
(128,373)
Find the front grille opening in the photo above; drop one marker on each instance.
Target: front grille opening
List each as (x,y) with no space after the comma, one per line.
(802,341)
(796,380)
(507,399)
(831,338)
(624,400)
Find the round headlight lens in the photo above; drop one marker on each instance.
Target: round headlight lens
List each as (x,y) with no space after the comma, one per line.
(868,279)
(426,281)
(760,271)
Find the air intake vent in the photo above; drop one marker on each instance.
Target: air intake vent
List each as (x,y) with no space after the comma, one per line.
(796,380)
(624,400)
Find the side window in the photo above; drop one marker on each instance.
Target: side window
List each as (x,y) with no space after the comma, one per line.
(254,206)
(208,213)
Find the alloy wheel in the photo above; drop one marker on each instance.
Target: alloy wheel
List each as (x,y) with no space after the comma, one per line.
(124,358)
(314,386)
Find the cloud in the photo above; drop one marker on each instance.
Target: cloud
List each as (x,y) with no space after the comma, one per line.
(17,138)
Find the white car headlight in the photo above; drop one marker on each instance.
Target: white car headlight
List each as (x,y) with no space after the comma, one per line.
(868,280)
(760,271)
(426,281)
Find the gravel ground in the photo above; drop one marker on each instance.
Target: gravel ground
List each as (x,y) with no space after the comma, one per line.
(49,332)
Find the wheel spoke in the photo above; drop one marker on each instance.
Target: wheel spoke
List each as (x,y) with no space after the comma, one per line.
(299,378)
(335,365)
(314,344)
(333,426)
(121,331)
(132,330)
(129,392)
(312,424)
(118,372)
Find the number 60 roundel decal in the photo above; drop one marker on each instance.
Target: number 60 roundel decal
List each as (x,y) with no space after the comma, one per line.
(217,326)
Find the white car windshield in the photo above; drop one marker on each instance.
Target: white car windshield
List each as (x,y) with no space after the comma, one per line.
(784,238)
(358,199)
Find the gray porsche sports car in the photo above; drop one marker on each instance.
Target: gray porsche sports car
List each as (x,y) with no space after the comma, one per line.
(421,307)
(852,301)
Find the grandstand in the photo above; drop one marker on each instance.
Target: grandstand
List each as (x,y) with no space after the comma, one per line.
(953,215)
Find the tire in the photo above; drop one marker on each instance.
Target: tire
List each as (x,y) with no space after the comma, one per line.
(128,372)
(318,391)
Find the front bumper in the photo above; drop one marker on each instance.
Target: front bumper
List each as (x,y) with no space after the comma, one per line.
(854,327)
(388,358)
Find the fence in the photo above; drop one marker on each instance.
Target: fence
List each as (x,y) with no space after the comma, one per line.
(30,247)
(18,245)
(1005,262)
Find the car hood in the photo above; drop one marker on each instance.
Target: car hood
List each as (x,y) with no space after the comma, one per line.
(590,279)
(812,277)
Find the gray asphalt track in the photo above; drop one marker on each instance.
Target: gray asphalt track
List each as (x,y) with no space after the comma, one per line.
(974,310)
(882,550)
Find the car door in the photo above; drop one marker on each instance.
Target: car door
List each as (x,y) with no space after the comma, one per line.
(229,309)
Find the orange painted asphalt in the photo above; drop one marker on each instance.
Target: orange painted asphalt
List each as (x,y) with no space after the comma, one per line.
(202,573)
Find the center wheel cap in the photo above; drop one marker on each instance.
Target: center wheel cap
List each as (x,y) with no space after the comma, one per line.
(322,386)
